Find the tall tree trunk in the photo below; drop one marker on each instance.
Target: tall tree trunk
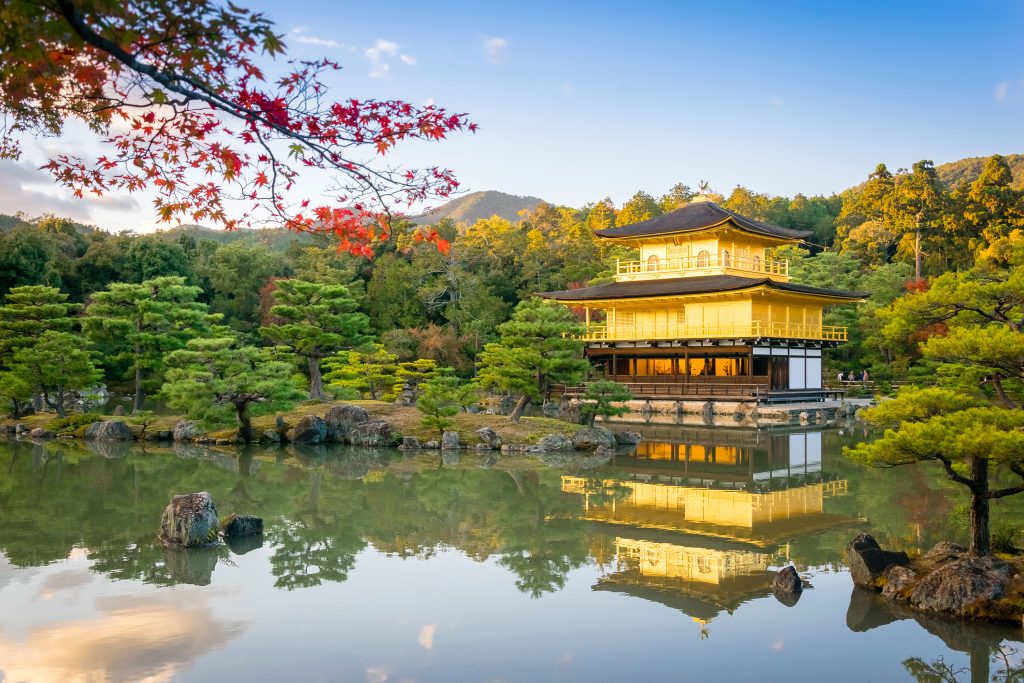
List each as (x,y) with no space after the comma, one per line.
(245,429)
(60,400)
(139,396)
(917,253)
(980,542)
(316,381)
(517,411)
(997,384)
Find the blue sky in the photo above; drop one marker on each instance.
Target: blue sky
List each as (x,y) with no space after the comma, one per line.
(577,101)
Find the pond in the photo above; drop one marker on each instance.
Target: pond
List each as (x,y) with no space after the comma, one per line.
(376,566)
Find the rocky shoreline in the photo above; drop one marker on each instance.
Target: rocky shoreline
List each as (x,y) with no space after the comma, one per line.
(354,425)
(945,581)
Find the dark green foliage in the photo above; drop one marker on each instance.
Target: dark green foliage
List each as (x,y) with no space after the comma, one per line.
(71,423)
(441,399)
(599,398)
(55,366)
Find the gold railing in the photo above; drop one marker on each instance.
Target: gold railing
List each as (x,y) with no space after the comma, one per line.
(756,328)
(696,264)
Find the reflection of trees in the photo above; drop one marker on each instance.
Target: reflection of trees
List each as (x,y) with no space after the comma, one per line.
(321,510)
(1009,668)
(979,640)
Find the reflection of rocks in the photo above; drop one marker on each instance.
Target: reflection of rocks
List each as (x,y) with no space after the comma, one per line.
(449,458)
(240,545)
(129,640)
(193,566)
(111,449)
(189,520)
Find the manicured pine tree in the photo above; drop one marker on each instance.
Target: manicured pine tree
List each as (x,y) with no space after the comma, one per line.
(369,371)
(538,348)
(141,323)
(441,399)
(30,311)
(55,366)
(600,398)
(317,320)
(218,381)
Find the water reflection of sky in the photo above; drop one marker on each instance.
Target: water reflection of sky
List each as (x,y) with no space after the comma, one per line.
(457,597)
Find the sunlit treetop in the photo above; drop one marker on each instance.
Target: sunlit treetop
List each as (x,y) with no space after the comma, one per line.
(176,93)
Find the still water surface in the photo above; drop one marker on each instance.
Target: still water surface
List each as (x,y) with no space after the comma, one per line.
(380,567)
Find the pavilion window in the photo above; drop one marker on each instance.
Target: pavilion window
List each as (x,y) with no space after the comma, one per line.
(653,262)
(726,258)
(703,258)
(756,264)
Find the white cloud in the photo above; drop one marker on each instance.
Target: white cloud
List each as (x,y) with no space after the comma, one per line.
(496,49)
(35,193)
(380,56)
(1002,91)
(299,35)
(426,637)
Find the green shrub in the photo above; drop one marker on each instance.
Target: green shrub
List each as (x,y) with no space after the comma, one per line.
(71,423)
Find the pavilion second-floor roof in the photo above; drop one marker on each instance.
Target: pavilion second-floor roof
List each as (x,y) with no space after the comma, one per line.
(682,286)
(698,216)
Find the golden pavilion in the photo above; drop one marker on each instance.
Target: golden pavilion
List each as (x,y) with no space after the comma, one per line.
(706,311)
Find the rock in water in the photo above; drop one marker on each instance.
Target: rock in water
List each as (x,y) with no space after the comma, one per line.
(341,419)
(489,437)
(372,433)
(592,438)
(410,443)
(189,521)
(961,585)
(787,581)
(555,442)
(242,525)
(897,580)
(450,441)
(309,430)
(867,561)
(109,430)
(40,433)
(627,438)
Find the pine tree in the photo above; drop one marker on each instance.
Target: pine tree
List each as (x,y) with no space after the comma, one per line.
(370,371)
(317,321)
(141,323)
(217,380)
(30,311)
(441,399)
(55,366)
(538,347)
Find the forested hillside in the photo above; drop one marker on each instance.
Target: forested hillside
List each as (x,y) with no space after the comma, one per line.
(423,302)
(472,207)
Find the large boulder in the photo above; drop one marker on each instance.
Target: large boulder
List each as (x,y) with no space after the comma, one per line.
(190,520)
(40,433)
(108,430)
(944,551)
(787,580)
(570,411)
(867,561)
(897,580)
(309,430)
(450,441)
(959,587)
(410,443)
(242,525)
(341,419)
(489,437)
(184,431)
(592,438)
(372,433)
(555,442)
(627,438)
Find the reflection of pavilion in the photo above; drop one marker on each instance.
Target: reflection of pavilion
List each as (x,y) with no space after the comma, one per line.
(707,512)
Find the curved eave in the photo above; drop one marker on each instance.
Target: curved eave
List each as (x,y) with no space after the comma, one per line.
(726,223)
